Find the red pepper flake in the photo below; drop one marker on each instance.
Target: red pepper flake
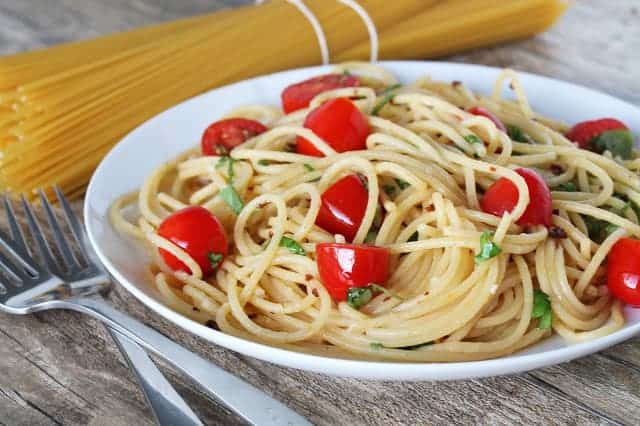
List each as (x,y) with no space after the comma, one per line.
(429,208)
(556,232)
(492,169)
(212,324)
(557,169)
(308,277)
(314,291)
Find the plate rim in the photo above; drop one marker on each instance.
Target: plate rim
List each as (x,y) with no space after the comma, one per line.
(377,370)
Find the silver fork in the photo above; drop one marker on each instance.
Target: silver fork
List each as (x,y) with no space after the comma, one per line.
(77,284)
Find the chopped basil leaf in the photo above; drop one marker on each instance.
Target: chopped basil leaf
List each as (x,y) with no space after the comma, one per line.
(387,95)
(403,184)
(308,167)
(228,161)
(376,346)
(292,245)
(358,296)
(214,259)
(610,228)
(618,142)
(390,89)
(371,236)
(379,217)
(414,347)
(230,196)
(542,309)
(472,139)
(413,237)
(389,190)
(263,162)
(516,134)
(488,248)
(346,72)
(597,229)
(567,187)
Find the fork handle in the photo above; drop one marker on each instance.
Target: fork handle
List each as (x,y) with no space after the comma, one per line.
(167,406)
(252,404)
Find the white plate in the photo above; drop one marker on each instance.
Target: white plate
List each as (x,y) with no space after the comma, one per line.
(180,127)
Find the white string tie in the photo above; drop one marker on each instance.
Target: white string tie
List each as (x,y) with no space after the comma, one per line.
(368,22)
(317,28)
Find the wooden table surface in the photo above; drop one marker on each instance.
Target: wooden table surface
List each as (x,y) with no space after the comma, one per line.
(62,368)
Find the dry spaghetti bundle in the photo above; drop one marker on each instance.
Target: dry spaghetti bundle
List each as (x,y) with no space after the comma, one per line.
(63,108)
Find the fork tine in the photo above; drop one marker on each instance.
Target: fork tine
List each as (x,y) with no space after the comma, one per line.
(16,231)
(16,244)
(38,236)
(10,269)
(72,221)
(68,258)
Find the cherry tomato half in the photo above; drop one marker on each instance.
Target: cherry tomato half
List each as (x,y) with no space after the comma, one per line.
(198,232)
(342,266)
(502,197)
(478,110)
(582,133)
(224,135)
(343,206)
(339,123)
(623,271)
(299,95)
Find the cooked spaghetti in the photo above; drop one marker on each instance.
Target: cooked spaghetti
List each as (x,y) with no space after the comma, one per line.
(462,283)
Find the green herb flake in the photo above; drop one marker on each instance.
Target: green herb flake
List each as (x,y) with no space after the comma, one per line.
(228,161)
(214,259)
(292,245)
(516,134)
(542,309)
(308,167)
(618,142)
(413,237)
(472,139)
(263,162)
(414,347)
(403,184)
(567,187)
(598,229)
(359,296)
(488,248)
(316,179)
(371,236)
(390,190)
(376,346)
(230,196)
(386,97)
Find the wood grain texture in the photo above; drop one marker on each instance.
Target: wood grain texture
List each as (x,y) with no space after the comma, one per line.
(63,368)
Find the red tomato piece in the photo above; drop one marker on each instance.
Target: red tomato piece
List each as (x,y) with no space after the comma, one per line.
(478,110)
(502,197)
(198,232)
(623,271)
(224,135)
(583,132)
(339,123)
(343,206)
(343,266)
(299,95)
